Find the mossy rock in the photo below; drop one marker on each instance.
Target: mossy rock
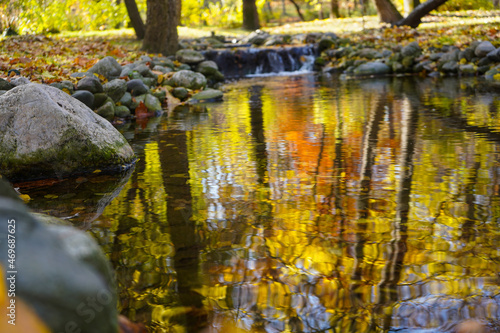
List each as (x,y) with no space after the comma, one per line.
(207,95)
(107,110)
(188,79)
(180,93)
(44,133)
(188,56)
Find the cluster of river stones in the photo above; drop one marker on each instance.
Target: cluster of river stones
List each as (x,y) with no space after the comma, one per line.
(63,129)
(478,58)
(113,90)
(336,54)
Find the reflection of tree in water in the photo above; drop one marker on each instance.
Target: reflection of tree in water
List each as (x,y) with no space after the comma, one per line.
(154,246)
(355,258)
(175,166)
(436,299)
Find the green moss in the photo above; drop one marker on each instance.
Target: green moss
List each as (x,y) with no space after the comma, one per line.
(77,155)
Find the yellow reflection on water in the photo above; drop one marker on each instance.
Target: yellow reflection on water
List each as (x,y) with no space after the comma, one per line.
(342,206)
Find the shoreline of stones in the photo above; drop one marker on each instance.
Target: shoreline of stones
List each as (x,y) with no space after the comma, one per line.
(366,58)
(480,58)
(112,90)
(116,91)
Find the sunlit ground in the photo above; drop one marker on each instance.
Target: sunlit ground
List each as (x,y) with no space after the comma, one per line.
(343,25)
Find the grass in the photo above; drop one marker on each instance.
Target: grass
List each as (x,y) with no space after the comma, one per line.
(50,59)
(339,26)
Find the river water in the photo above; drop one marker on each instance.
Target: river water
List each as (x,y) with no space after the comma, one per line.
(305,203)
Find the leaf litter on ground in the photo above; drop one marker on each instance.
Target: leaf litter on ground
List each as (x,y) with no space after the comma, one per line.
(54,58)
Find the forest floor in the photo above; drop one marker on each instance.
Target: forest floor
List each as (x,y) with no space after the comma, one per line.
(54,57)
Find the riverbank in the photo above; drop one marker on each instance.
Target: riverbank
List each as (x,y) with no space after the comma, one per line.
(53,58)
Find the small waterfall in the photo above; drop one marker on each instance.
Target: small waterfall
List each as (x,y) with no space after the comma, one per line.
(307,63)
(275,62)
(263,61)
(291,60)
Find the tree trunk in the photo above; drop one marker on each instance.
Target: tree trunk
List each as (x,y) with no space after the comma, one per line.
(269,8)
(135,18)
(250,15)
(297,7)
(414,19)
(161,27)
(388,12)
(334,9)
(178,12)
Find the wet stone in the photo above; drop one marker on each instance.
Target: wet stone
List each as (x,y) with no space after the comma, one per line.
(152,103)
(99,99)
(160,94)
(86,97)
(372,68)
(115,89)
(19,81)
(5,85)
(494,55)
(483,49)
(137,87)
(107,110)
(180,93)
(90,83)
(208,95)
(126,99)
(189,56)
(189,79)
(122,111)
(467,69)
(411,50)
(107,67)
(450,67)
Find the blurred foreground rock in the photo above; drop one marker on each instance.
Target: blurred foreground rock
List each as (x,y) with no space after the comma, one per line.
(57,270)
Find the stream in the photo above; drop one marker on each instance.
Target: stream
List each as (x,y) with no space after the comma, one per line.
(305,203)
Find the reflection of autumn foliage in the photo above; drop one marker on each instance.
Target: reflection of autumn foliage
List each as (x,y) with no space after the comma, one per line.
(371,205)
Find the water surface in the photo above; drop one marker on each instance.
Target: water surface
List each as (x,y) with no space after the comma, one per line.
(308,204)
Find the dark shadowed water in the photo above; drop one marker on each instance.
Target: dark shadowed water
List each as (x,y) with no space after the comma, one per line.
(305,204)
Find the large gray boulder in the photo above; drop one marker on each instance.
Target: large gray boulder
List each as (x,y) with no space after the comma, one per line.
(107,67)
(188,79)
(59,271)
(44,132)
